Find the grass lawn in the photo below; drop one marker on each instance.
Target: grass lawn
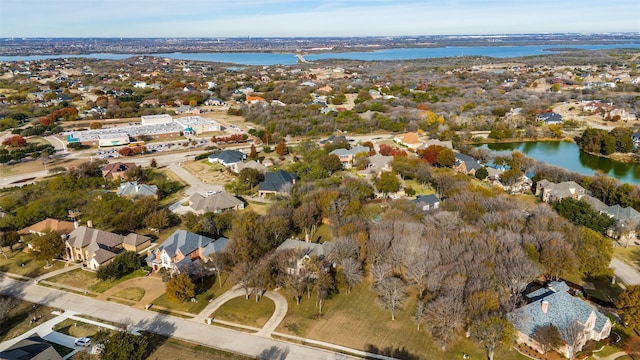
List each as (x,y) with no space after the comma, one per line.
(419,188)
(246,312)
(76,328)
(356,320)
(604,289)
(132,293)
(629,255)
(207,290)
(21,263)
(77,278)
(322,234)
(18,320)
(163,348)
(87,280)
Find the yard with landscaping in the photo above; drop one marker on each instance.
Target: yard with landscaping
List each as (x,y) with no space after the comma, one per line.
(207,289)
(76,328)
(87,280)
(20,263)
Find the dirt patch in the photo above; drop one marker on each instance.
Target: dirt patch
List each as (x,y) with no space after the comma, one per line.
(208,173)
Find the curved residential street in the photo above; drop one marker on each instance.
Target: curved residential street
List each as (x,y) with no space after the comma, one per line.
(201,333)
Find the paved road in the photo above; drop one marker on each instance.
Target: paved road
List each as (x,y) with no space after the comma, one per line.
(212,336)
(625,273)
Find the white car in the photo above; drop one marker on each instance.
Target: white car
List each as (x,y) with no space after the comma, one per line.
(85,341)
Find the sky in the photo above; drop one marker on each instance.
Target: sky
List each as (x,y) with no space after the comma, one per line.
(274,18)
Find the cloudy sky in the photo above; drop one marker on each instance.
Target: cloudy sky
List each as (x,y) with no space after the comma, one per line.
(267,18)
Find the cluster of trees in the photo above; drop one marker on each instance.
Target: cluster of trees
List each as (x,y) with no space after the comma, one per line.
(231,139)
(22,149)
(598,141)
(580,212)
(132,151)
(438,155)
(82,189)
(122,264)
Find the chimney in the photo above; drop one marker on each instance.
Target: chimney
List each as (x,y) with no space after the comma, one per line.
(545,306)
(306,237)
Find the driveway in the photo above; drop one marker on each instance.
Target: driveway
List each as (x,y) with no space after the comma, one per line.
(188,330)
(627,274)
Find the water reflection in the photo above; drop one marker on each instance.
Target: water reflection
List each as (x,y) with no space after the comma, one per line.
(569,156)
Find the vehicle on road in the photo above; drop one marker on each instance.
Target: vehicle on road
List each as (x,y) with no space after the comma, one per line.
(85,341)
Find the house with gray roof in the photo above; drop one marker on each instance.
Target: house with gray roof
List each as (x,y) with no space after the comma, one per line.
(348,155)
(183,250)
(466,164)
(277,183)
(302,251)
(554,306)
(551,192)
(549,118)
(216,203)
(426,202)
(228,158)
(379,163)
(97,247)
(134,190)
(627,220)
(31,348)
(252,164)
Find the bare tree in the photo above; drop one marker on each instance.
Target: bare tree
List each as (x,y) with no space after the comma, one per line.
(246,272)
(445,317)
(492,332)
(297,284)
(220,262)
(345,247)
(392,293)
(418,314)
(572,333)
(352,271)
(379,272)
(325,285)
(548,338)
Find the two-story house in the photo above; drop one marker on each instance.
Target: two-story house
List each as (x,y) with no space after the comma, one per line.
(183,250)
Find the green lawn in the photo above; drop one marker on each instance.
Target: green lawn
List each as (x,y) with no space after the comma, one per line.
(604,289)
(357,321)
(419,188)
(322,234)
(87,280)
(246,312)
(629,255)
(163,348)
(21,263)
(76,328)
(18,320)
(207,290)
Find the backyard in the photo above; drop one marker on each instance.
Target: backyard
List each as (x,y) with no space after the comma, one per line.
(21,263)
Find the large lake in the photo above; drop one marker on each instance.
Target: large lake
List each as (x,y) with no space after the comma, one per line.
(259,58)
(569,156)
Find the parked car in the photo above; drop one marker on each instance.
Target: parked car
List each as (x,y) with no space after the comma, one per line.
(85,341)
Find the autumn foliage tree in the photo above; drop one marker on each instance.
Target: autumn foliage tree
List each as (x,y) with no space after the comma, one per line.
(15,141)
(281,149)
(628,304)
(180,288)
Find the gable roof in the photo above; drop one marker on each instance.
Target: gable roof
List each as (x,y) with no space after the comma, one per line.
(309,248)
(561,307)
(430,200)
(227,157)
(30,348)
(408,138)
(83,236)
(563,189)
(623,214)
(252,164)
(469,162)
(49,224)
(113,169)
(185,241)
(221,200)
(276,180)
(353,151)
(135,239)
(550,117)
(132,188)
(215,247)
(379,161)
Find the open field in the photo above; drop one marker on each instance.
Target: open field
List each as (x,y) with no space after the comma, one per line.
(246,312)
(358,321)
(207,172)
(132,293)
(87,280)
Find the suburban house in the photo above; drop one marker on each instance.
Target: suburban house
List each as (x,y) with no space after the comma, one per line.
(97,247)
(183,251)
(466,164)
(379,163)
(133,189)
(333,139)
(47,225)
(426,202)
(116,170)
(626,217)
(305,251)
(554,305)
(215,203)
(31,348)
(549,118)
(348,155)
(446,144)
(251,164)
(552,192)
(228,158)
(277,183)
(409,140)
